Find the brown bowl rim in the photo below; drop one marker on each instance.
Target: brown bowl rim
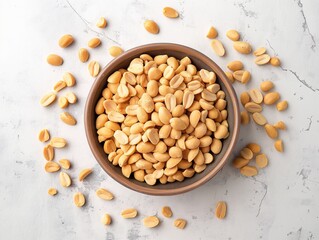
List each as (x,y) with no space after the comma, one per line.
(90,132)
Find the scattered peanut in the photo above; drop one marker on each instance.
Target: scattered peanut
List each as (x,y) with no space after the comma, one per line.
(280,125)
(254,147)
(221,209)
(65,179)
(151,26)
(94,68)
(67,118)
(281,106)
(65,163)
(275,61)
(104,194)
(242,47)
(260,51)
(266,86)
(94,43)
(249,171)
(101,23)
(261,160)
(52,191)
(262,59)
(129,213)
(44,135)
(235,65)
(233,35)
(106,219)
(271,98)
(271,131)
(279,145)
(167,211)
(48,153)
(84,173)
(47,99)
(151,221)
(180,223)
(51,167)
(218,47)
(59,85)
(69,79)
(66,40)
(259,118)
(212,33)
(83,54)
(54,60)
(170,12)
(79,199)
(244,117)
(115,51)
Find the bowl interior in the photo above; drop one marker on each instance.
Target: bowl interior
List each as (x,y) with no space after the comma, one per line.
(200,61)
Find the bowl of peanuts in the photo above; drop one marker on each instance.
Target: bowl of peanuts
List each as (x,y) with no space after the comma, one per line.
(162,119)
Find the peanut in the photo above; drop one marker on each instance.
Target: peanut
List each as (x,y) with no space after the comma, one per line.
(151,26)
(220,210)
(242,47)
(79,199)
(233,35)
(218,47)
(170,12)
(66,40)
(115,51)
(83,55)
(55,60)
(212,33)
(101,23)
(180,223)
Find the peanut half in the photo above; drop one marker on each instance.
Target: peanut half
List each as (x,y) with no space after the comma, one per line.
(151,26)
(242,47)
(180,223)
(84,173)
(167,212)
(55,60)
(151,221)
(233,35)
(48,99)
(221,209)
(52,191)
(104,194)
(106,219)
(79,199)
(170,12)
(101,23)
(218,47)
(212,33)
(83,54)
(129,213)
(115,51)
(44,135)
(66,40)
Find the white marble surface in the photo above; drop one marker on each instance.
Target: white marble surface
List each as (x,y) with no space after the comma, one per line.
(280,203)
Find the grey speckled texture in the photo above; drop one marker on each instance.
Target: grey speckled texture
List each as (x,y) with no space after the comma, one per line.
(280,203)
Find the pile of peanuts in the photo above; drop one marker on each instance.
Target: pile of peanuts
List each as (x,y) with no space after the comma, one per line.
(161,119)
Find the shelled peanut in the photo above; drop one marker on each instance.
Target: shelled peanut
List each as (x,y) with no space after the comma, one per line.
(244,161)
(252,100)
(161,120)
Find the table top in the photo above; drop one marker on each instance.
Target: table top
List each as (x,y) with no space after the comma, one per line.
(281,202)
